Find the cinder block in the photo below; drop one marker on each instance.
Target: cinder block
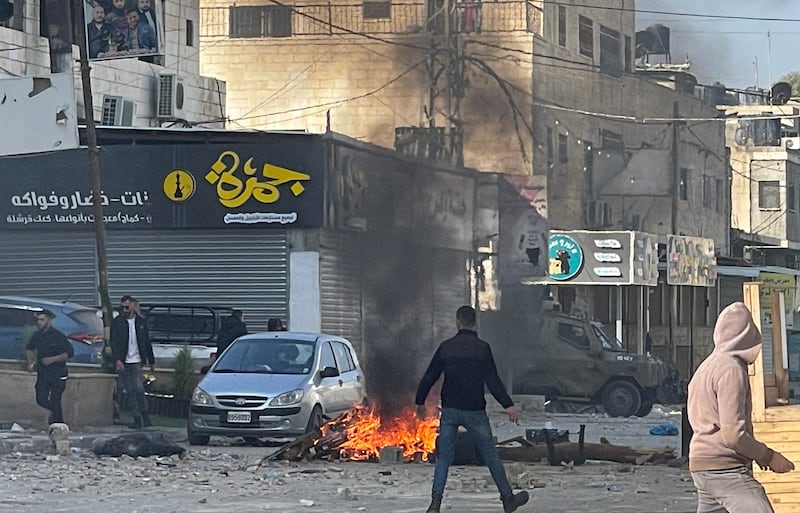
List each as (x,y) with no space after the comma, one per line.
(391,455)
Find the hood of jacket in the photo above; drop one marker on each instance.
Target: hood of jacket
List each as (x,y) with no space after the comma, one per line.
(736,334)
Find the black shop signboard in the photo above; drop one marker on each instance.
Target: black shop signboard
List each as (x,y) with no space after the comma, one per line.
(167,186)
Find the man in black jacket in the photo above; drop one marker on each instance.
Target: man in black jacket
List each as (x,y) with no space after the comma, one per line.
(130,350)
(48,351)
(467,364)
(230,329)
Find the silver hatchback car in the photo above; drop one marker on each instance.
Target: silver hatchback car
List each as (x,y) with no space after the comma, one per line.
(275,384)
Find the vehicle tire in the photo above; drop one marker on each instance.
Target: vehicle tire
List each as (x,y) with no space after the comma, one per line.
(621,399)
(645,409)
(314,420)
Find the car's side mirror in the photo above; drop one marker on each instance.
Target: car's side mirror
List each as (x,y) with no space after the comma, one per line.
(329,372)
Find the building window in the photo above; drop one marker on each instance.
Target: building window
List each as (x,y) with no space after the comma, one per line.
(260,21)
(628,54)
(683,185)
(611,141)
(189,33)
(549,146)
(709,191)
(563,154)
(769,195)
(791,204)
(720,195)
(377,10)
(585,36)
(610,59)
(562,26)
(15,8)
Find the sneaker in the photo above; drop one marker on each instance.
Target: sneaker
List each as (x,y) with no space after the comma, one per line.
(512,502)
(436,504)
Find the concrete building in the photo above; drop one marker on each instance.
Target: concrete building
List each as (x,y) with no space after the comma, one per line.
(125,91)
(529,88)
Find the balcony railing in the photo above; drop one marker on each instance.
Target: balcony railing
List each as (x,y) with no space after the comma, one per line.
(467,16)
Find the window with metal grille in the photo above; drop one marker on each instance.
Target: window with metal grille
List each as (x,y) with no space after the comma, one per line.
(562,25)
(610,59)
(377,10)
(110,106)
(585,36)
(563,153)
(769,195)
(260,21)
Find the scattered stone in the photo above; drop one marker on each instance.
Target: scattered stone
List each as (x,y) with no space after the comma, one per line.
(345,493)
(17,428)
(307,503)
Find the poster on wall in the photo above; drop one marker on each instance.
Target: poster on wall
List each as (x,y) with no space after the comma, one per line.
(120,29)
(691,261)
(523,227)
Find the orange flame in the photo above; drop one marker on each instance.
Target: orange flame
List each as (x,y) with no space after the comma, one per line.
(367,433)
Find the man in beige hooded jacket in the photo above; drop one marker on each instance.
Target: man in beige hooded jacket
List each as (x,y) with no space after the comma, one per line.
(723,448)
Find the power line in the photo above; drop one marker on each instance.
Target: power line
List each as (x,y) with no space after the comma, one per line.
(674,13)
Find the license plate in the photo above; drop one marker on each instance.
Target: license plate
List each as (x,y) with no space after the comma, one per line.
(238,417)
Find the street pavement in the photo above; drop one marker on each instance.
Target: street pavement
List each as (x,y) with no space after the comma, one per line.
(229,475)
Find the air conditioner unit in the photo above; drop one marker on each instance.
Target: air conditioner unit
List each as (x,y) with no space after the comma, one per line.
(169,96)
(791,143)
(598,214)
(117,111)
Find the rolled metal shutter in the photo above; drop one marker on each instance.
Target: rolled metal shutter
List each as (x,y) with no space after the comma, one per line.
(340,286)
(244,270)
(56,266)
(451,290)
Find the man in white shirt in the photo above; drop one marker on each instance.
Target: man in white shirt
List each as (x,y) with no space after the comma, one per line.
(130,350)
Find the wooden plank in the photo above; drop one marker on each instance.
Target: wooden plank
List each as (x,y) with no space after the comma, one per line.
(785,508)
(766,477)
(783,490)
(778,325)
(790,426)
(785,498)
(756,371)
(780,414)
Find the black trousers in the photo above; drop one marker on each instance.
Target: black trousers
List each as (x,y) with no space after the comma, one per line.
(49,389)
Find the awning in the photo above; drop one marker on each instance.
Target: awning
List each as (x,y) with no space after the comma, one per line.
(735,270)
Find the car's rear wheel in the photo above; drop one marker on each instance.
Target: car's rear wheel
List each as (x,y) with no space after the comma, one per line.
(621,399)
(315,419)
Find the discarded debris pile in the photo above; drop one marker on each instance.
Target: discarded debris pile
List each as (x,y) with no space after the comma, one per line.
(520,449)
(137,445)
(361,435)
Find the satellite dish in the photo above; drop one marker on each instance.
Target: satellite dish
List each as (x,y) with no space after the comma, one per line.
(6,10)
(780,93)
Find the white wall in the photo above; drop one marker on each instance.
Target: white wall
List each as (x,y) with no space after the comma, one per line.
(25,53)
(305,312)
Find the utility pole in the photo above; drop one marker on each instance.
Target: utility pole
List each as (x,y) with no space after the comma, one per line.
(94,169)
(676,186)
(445,76)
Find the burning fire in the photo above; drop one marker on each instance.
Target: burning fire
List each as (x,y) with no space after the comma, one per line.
(366,433)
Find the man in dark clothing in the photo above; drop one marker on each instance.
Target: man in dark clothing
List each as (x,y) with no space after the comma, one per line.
(130,350)
(48,350)
(467,364)
(275,324)
(231,328)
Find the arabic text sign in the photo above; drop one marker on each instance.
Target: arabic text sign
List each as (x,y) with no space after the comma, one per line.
(168,187)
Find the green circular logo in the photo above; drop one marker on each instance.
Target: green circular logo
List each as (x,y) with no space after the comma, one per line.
(566,257)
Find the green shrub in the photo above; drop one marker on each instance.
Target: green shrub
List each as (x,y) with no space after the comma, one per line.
(183,378)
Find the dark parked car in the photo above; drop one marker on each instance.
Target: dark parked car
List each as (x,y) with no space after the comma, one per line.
(82,325)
